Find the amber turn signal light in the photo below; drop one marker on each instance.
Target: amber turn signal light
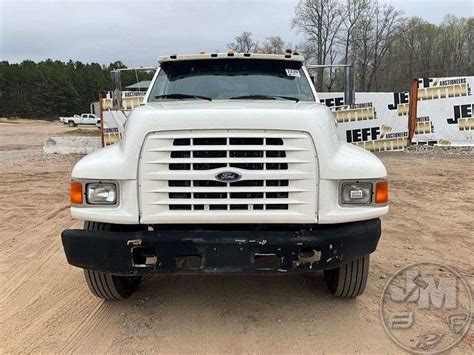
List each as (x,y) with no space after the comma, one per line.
(76,193)
(381,192)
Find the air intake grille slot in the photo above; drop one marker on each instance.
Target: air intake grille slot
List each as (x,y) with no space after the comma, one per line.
(246,153)
(248,166)
(210,154)
(206,183)
(246,141)
(208,166)
(248,183)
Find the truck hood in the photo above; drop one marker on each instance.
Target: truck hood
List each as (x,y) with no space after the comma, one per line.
(337,160)
(231,114)
(230,104)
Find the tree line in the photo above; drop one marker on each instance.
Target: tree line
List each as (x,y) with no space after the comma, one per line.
(49,89)
(385,48)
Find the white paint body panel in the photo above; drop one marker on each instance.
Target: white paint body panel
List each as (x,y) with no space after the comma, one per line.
(335,160)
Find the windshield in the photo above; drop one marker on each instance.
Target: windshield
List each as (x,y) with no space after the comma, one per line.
(219,79)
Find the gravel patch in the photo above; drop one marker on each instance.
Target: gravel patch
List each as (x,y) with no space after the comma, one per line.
(439,150)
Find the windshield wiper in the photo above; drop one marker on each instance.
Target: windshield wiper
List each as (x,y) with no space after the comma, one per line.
(264,97)
(182,96)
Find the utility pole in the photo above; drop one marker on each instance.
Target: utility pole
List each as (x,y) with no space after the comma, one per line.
(349,93)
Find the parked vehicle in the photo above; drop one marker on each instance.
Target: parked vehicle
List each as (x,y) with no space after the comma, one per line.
(65,119)
(84,119)
(231,166)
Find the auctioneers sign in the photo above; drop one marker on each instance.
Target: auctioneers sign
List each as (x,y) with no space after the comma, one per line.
(445,112)
(379,121)
(376,122)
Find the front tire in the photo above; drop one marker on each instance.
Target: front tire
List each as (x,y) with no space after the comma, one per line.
(348,280)
(106,286)
(110,287)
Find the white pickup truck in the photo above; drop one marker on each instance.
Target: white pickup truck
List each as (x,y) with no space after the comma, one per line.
(84,119)
(231,166)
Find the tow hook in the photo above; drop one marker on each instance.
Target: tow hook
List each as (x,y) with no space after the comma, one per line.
(142,257)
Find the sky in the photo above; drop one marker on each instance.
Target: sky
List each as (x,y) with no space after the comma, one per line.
(138,31)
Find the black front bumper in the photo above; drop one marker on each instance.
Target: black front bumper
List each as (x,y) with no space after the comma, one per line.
(222,249)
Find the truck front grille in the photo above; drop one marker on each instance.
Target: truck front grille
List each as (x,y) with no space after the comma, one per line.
(198,151)
(178,175)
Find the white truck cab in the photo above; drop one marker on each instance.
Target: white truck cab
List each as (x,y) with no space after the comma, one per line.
(231,166)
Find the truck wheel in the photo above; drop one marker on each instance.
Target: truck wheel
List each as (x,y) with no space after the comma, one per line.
(106,286)
(348,280)
(71,124)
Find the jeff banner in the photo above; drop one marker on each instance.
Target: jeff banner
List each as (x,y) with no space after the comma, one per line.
(376,122)
(445,111)
(379,121)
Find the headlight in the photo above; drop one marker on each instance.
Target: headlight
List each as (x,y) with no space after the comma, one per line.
(356,193)
(101,194)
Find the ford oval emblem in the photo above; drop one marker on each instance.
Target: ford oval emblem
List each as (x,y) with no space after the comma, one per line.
(228,176)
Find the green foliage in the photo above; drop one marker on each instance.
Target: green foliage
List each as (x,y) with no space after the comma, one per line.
(50,89)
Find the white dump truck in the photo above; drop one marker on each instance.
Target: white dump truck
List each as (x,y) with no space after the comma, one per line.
(83,119)
(231,165)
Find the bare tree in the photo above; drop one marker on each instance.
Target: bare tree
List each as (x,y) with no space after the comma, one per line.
(320,21)
(470,45)
(455,40)
(386,49)
(373,37)
(243,43)
(352,13)
(273,45)
(416,48)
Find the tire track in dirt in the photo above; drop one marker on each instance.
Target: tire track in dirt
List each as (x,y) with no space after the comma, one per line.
(23,272)
(32,256)
(53,320)
(27,241)
(96,318)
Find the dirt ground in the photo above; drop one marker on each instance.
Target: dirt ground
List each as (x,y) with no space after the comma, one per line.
(46,307)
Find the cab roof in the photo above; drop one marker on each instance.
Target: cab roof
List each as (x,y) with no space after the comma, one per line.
(211,56)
